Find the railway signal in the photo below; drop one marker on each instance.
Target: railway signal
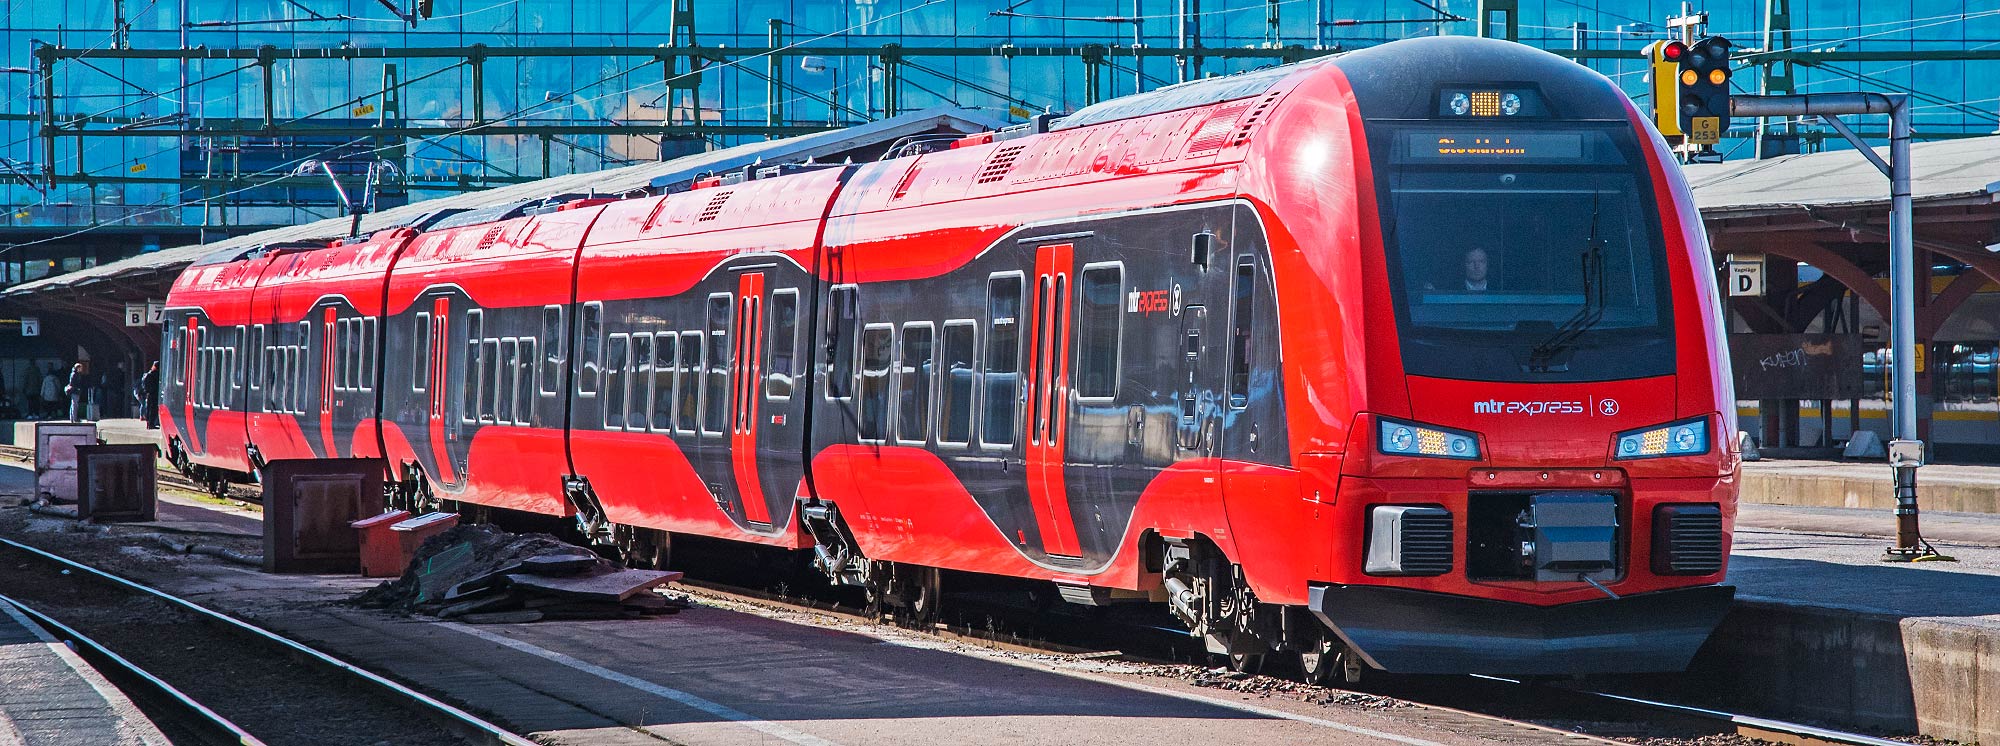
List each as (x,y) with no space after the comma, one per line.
(1665,72)
(1703,89)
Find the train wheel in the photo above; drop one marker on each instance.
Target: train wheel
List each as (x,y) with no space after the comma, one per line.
(1250,663)
(923,595)
(1320,660)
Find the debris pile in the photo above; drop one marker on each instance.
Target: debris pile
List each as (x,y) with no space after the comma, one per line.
(482,575)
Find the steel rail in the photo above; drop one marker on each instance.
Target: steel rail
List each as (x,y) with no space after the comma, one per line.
(214,727)
(464,720)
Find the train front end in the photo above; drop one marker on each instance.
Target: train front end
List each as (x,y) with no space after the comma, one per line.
(1537,472)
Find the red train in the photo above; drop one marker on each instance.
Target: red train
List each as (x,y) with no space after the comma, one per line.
(1407,358)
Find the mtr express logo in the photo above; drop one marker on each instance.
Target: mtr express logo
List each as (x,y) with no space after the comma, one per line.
(1606,407)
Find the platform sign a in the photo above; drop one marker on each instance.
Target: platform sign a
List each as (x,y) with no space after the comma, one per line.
(1746,275)
(31,326)
(135,314)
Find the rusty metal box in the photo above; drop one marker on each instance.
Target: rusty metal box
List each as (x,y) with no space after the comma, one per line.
(309,509)
(117,483)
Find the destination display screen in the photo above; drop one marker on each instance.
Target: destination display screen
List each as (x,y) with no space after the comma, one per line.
(1433,146)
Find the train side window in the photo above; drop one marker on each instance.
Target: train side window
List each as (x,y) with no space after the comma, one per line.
(914,373)
(872,401)
(661,392)
(1099,320)
(420,353)
(715,390)
(368,347)
(636,381)
(687,383)
(954,409)
(1241,314)
(256,353)
(614,381)
(468,410)
(552,350)
(1003,358)
(301,369)
(506,379)
(784,345)
(842,323)
(524,383)
(489,378)
(591,322)
(341,346)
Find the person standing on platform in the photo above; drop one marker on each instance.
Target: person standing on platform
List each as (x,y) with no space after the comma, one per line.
(78,391)
(51,393)
(149,395)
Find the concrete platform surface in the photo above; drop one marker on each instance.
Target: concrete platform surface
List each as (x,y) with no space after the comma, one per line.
(1842,484)
(50,697)
(21,433)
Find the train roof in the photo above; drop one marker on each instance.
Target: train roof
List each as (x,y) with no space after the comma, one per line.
(428,214)
(1183,96)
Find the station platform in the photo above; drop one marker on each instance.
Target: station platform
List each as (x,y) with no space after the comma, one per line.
(51,697)
(21,433)
(1854,484)
(1823,629)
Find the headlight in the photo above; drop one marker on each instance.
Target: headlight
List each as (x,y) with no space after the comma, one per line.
(1460,104)
(1398,438)
(1684,438)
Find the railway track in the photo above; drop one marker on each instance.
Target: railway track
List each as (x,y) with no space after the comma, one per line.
(179,716)
(1547,706)
(271,688)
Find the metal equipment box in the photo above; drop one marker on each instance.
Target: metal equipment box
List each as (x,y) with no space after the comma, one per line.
(117,483)
(55,457)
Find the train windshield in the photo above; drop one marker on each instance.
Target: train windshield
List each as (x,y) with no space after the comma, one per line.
(1525,256)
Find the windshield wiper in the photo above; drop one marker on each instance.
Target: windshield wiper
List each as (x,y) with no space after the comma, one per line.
(1566,336)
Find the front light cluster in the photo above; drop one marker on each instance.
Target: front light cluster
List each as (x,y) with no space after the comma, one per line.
(1684,438)
(1399,438)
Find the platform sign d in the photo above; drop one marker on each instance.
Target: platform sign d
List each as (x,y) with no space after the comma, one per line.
(1746,275)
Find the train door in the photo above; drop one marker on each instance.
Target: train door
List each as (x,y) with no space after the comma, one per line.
(1047,397)
(329,356)
(745,405)
(1196,389)
(439,427)
(191,364)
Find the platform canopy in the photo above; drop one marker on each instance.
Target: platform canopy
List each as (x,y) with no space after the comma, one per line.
(1962,171)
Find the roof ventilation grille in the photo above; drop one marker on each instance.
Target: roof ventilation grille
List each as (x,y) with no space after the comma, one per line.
(1255,117)
(492,237)
(714,207)
(1215,132)
(1002,162)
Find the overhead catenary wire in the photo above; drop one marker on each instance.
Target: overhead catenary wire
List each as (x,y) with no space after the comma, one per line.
(475,127)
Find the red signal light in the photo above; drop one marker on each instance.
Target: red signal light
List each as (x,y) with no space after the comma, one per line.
(1673,51)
